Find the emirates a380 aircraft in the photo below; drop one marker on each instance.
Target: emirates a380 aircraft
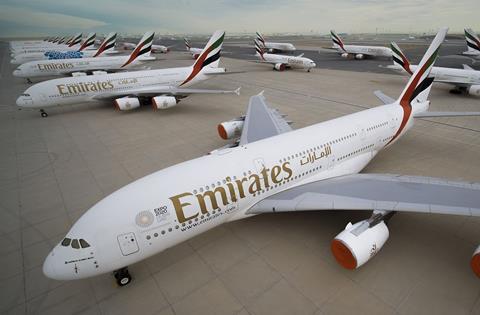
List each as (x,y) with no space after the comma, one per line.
(271,169)
(162,88)
(282,62)
(84,66)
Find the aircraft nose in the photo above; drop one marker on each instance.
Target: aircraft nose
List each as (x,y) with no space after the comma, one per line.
(17,72)
(49,266)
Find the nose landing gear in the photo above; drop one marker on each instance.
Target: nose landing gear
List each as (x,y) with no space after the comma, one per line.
(43,113)
(122,276)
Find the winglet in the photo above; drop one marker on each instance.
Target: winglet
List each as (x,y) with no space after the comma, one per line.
(399,58)
(108,43)
(419,85)
(337,41)
(144,47)
(210,55)
(473,42)
(89,41)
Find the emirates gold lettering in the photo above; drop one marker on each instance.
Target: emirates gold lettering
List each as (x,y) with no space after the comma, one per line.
(209,200)
(54,66)
(83,87)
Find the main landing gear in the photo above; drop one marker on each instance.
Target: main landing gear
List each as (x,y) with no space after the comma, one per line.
(122,276)
(29,81)
(43,113)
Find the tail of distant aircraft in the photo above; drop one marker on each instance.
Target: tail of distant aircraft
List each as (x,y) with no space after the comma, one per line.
(399,58)
(259,37)
(61,40)
(473,42)
(337,41)
(76,39)
(210,55)
(187,44)
(259,48)
(144,47)
(89,41)
(107,44)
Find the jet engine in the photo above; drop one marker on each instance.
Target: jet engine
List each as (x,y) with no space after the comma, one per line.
(279,66)
(229,129)
(358,243)
(78,74)
(474,90)
(164,102)
(359,56)
(475,262)
(99,72)
(344,55)
(127,103)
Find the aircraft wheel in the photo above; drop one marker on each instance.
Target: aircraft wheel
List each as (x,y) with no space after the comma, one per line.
(43,113)
(122,276)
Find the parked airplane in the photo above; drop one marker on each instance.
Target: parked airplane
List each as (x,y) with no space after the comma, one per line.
(164,88)
(106,48)
(357,51)
(473,44)
(465,80)
(194,51)
(80,67)
(273,47)
(281,62)
(273,169)
(155,48)
(63,44)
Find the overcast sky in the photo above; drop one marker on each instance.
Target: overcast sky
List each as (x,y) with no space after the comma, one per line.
(52,17)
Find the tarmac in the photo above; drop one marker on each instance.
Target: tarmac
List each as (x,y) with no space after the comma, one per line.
(53,169)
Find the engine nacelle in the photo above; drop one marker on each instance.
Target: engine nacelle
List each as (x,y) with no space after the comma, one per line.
(229,129)
(99,72)
(475,262)
(78,74)
(359,56)
(352,250)
(127,103)
(279,66)
(474,90)
(164,102)
(344,55)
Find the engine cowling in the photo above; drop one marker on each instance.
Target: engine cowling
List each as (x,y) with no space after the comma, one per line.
(344,55)
(127,103)
(352,251)
(164,102)
(279,66)
(474,90)
(78,74)
(359,56)
(229,129)
(99,72)
(475,262)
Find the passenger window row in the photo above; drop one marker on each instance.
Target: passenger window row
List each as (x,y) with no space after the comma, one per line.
(355,152)
(377,126)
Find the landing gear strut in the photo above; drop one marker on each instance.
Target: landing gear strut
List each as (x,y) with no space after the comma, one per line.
(122,276)
(43,113)
(29,81)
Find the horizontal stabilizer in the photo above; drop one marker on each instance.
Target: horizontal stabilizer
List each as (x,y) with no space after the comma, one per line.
(444,114)
(467,67)
(384,98)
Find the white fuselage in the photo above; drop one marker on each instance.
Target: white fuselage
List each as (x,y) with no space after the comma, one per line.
(62,67)
(177,203)
(82,89)
(467,77)
(289,61)
(281,47)
(195,52)
(43,49)
(375,51)
(23,58)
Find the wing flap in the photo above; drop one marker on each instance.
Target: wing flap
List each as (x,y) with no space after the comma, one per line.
(378,192)
(262,121)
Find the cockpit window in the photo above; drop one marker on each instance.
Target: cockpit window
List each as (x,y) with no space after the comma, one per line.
(66,241)
(84,243)
(26,95)
(75,244)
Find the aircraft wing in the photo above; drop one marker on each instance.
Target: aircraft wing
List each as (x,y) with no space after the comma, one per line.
(384,98)
(161,90)
(378,192)
(262,121)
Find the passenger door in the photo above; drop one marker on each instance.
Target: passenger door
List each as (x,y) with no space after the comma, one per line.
(128,243)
